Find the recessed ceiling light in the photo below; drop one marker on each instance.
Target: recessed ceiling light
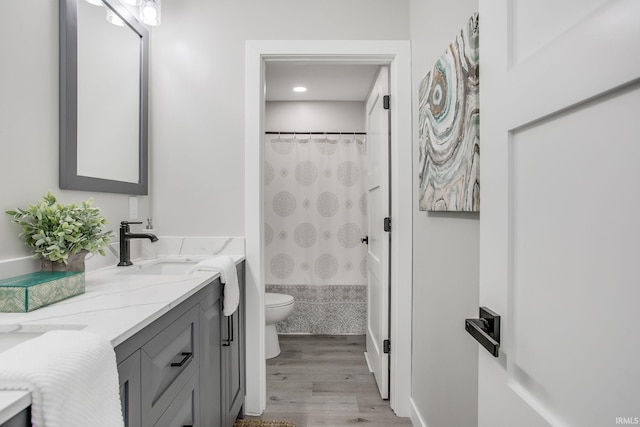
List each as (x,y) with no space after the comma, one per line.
(299,89)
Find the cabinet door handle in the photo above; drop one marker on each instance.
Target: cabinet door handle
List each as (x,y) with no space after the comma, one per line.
(186,356)
(229,339)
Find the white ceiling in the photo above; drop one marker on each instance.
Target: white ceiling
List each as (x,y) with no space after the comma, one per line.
(324,82)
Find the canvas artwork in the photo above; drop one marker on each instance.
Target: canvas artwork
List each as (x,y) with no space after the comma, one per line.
(449,116)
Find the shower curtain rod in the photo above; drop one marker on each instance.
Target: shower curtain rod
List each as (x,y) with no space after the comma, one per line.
(315,133)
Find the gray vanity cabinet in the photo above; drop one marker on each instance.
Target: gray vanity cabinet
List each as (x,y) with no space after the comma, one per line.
(158,366)
(129,373)
(223,352)
(210,368)
(21,419)
(233,359)
(183,411)
(168,361)
(184,369)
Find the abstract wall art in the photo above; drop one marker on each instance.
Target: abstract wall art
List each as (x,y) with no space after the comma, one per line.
(449,117)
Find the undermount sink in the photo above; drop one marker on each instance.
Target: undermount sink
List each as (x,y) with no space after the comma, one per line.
(12,335)
(161,267)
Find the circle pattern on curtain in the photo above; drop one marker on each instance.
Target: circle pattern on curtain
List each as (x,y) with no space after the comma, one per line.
(282,266)
(326,266)
(284,203)
(306,173)
(268,173)
(328,204)
(348,173)
(305,235)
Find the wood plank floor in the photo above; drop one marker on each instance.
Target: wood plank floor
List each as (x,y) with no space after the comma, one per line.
(322,380)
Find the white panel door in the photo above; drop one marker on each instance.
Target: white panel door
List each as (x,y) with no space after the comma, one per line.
(378,248)
(560,233)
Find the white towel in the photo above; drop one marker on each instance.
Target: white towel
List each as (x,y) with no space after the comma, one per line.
(72,377)
(228,275)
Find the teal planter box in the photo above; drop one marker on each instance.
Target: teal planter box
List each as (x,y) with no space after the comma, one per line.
(29,292)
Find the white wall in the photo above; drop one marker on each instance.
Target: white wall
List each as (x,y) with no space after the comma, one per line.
(445,260)
(315,116)
(197,95)
(29,118)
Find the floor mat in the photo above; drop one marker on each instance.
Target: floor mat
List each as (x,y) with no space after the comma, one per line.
(263,423)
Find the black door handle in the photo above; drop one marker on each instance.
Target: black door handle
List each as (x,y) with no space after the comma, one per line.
(365,240)
(486,330)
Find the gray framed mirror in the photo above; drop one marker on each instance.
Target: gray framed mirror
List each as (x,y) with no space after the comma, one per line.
(104,68)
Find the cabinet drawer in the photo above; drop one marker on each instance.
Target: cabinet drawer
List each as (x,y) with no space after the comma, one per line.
(183,411)
(168,360)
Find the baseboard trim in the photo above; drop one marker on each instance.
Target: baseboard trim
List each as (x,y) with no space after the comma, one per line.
(366,357)
(416,418)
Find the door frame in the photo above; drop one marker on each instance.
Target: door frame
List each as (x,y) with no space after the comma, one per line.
(397,54)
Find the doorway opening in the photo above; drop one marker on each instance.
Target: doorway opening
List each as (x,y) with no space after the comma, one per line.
(315,161)
(396,55)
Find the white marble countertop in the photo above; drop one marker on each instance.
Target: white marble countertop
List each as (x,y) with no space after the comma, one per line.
(114,305)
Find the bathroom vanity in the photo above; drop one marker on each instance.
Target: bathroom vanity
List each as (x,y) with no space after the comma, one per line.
(180,361)
(186,368)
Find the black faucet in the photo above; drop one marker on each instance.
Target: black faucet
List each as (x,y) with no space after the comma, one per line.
(125,236)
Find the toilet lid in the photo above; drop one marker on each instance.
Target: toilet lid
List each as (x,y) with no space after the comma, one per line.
(277,300)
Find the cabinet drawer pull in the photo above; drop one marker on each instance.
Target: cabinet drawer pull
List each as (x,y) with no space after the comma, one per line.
(186,357)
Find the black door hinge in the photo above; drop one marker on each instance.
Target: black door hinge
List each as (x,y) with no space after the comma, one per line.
(386,346)
(386,103)
(387,224)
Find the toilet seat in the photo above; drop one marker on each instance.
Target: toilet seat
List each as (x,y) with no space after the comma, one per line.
(277,300)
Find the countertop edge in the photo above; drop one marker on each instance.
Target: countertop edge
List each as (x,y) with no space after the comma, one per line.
(159,313)
(162,311)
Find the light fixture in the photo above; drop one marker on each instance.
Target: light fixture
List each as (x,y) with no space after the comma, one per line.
(300,89)
(131,2)
(95,2)
(150,11)
(114,19)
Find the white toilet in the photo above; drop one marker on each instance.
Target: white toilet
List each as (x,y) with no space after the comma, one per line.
(277,308)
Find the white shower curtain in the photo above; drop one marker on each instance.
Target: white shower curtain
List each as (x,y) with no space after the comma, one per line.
(315,217)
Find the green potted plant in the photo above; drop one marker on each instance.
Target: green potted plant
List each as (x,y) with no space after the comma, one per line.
(61,235)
